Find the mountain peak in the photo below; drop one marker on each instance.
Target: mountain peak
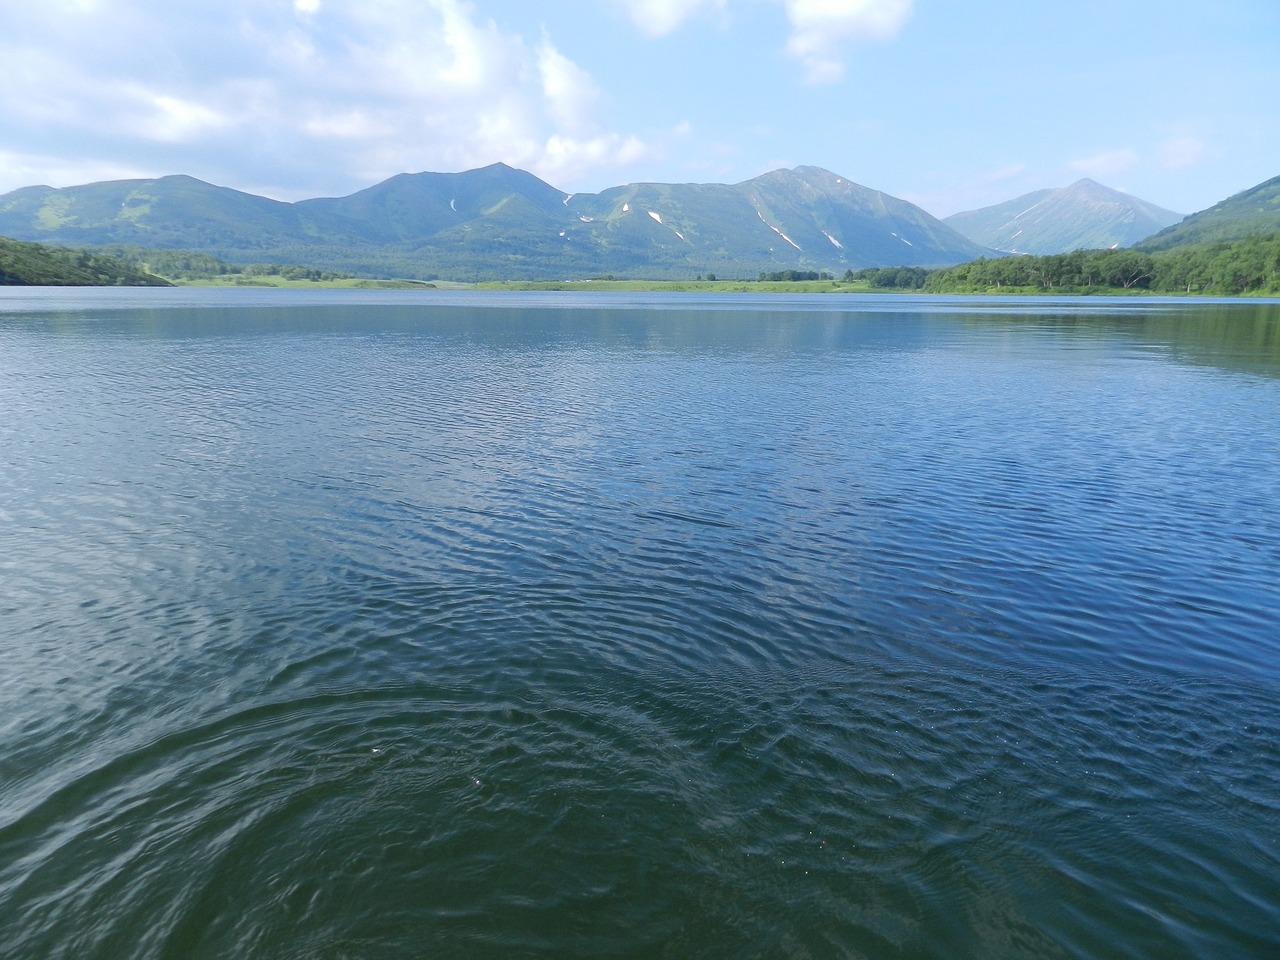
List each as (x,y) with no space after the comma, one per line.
(804,174)
(1084,215)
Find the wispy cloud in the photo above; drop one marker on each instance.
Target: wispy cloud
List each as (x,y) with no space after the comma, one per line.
(1007,172)
(1108,163)
(30,169)
(948,193)
(658,18)
(821,31)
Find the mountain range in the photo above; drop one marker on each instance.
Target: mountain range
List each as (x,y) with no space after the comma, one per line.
(498,222)
(1083,216)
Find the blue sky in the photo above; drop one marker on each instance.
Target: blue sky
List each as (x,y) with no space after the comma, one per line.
(951,104)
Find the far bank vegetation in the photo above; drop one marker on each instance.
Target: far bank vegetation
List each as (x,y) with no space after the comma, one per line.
(1248,266)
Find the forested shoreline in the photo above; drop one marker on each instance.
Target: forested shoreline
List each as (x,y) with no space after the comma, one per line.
(1238,268)
(34,264)
(1248,266)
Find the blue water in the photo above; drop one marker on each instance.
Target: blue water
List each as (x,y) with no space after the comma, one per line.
(378,625)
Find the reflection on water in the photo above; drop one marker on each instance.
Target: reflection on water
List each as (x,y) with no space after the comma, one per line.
(380,625)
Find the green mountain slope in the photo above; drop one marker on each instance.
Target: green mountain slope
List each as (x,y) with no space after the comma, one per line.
(1083,216)
(1252,212)
(415,205)
(805,219)
(501,223)
(179,212)
(675,230)
(33,264)
(818,211)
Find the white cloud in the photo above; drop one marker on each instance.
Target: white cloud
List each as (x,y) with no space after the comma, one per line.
(570,92)
(1007,172)
(566,158)
(821,30)
(290,98)
(175,119)
(1105,164)
(354,124)
(34,169)
(660,17)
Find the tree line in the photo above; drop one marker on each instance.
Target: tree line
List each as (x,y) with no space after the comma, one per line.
(1251,265)
(890,278)
(1228,268)
(193,265)
(34,264)
(789,276)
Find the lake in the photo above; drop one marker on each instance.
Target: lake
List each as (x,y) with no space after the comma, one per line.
(403,624)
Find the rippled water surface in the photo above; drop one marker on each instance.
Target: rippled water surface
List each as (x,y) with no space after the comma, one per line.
(357,625)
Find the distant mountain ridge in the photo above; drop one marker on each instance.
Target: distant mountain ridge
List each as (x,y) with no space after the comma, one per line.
(1083,216)
(498,222)
(1255,211)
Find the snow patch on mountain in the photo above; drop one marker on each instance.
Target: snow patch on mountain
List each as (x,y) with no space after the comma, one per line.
(777,231)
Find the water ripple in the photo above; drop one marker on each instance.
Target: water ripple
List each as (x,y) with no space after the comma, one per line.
(393,629)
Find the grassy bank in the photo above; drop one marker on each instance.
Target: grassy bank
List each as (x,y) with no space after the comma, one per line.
(682,286)
(338,283)
(614,286)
